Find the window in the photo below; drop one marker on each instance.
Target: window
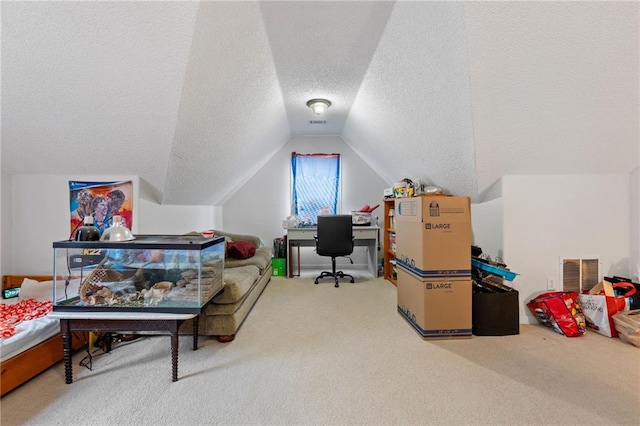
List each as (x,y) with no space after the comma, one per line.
(316,183)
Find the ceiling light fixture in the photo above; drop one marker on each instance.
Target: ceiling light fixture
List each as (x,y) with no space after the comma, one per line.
(318,106)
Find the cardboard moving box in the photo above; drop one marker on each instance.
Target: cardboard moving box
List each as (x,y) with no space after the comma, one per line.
(426,208)
(437,308)
(434,236)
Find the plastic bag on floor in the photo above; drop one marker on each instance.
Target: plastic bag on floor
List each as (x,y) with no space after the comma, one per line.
(561,311)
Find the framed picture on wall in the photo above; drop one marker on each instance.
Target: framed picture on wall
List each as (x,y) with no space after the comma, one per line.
(102,200)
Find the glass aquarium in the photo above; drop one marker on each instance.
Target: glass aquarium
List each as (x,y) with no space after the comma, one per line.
(151,273)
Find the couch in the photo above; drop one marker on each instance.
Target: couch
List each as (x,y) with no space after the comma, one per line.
(244,281)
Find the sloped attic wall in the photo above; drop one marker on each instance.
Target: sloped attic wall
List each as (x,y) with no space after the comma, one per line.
(412,116)
(6,224)
(491,89)
(103,78)
(231,108)
(460,93)
(554,87)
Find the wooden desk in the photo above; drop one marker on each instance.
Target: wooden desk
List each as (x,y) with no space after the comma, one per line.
(118,321)
(363,236)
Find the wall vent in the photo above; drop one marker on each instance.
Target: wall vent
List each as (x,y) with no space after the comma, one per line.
(317,121)
(579,274)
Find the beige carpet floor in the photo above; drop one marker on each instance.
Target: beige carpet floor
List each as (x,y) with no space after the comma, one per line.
(318,355)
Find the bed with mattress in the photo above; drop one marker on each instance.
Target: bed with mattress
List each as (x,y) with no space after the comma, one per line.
(31,346)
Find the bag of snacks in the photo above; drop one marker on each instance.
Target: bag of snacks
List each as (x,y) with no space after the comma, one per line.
(561,311)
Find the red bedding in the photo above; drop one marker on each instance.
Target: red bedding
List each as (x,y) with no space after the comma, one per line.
(14,314)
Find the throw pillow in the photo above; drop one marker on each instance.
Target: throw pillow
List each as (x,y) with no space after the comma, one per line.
(241,249)
(32,289)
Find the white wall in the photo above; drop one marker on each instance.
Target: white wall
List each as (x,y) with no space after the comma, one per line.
(260,206)
(487,227)
(40,208)
(634,201)
(6,219)
(550,217)
(536,220)
(173,220)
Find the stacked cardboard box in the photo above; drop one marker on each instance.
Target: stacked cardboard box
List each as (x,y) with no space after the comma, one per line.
(433,254)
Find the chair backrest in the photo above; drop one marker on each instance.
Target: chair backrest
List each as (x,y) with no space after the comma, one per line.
(335,235)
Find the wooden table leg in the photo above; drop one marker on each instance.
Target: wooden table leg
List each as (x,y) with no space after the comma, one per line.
(174,355)
(298,260)
(195,333)
(290,263)
(66,349)
(109,325)
(108,340)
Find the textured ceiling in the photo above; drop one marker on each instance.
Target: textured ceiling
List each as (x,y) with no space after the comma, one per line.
(194,97)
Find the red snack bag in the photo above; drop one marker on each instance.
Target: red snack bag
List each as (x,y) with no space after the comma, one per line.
(561,311)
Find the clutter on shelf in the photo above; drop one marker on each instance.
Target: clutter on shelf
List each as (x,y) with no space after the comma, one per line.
(488,274)
(290,222)
(368,209)
(410,188)
(362,217)
(403,188)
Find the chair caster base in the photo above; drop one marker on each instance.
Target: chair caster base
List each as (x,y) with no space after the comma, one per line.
(338,275)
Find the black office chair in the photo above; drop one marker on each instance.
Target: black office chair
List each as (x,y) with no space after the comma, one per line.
(334,239)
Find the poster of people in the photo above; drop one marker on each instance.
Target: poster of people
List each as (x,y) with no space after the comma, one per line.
(103,200)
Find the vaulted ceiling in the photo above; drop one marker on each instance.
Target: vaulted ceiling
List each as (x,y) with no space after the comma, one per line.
(194,97)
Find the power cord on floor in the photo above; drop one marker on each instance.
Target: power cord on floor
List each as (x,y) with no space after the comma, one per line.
(102,344)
